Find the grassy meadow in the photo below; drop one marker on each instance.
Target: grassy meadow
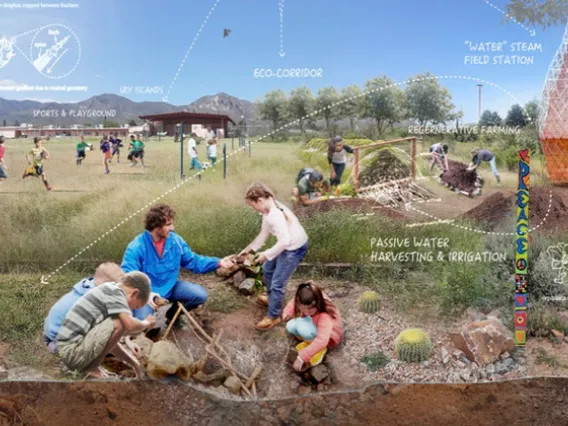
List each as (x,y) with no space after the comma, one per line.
(97,215)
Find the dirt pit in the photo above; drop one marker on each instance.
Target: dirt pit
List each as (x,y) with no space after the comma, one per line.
(354,205)
(523,402)
(458,177)
(549,214)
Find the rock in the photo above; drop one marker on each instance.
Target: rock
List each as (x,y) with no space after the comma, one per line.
(496,313)
(112,414)
(460,364)
(3,373)
(247,286)
(304,390)
(465,374)
(496,377)
(505,355)
(565,339)
(215,379)
(292,355)
(483,374)
(225,272)
(558,334)
(501,368)
(484,341)
(508,362)
(25,373)
(166,359)
(444,356)
(490,369)
(233,384)
(426,364)
(512,375)
(238,278)
(319,373)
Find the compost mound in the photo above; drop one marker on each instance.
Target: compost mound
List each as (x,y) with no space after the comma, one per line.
(494,210)
(354,205)
(458,176)
(385,166)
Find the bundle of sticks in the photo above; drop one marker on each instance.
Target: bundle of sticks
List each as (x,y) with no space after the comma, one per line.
(396,193)
(214,349)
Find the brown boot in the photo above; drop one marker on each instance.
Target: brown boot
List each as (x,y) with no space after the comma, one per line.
(262,300)
(267,323)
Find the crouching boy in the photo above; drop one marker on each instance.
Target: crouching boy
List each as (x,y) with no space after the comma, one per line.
(99,319)
(105,272)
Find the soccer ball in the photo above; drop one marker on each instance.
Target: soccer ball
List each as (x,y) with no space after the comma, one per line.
(44,155)
(205,165)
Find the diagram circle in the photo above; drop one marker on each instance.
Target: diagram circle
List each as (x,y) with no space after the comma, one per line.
(43,63)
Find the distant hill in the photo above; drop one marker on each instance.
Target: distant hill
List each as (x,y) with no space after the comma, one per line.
(12,111)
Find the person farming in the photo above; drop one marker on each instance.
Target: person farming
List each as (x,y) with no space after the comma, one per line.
(337,159)
(309,183)
(439,156)
(480,155)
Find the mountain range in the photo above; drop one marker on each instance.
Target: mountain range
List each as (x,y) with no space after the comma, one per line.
(118,109)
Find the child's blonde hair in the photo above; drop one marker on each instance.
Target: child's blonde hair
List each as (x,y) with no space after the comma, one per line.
(257,190)
(108,272)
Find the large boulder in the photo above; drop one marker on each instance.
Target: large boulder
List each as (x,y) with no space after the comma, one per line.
(484,341)
(166,359)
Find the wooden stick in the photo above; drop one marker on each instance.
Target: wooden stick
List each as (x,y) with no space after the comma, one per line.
(171,324)
(231,369)
(254,389)
(253,376)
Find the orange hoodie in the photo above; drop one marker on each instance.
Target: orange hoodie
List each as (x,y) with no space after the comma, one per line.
(330,330)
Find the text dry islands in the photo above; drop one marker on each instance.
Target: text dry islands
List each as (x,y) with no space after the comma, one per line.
(379,254)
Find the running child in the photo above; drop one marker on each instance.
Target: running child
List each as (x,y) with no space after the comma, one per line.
(192,151)
(212,151)
(106,150)
(106,272)
(337,159)
(312,317)
(3,167)
(280,261)
(98,320)
(37,155)
(116,145)
(137,151)
(81,148)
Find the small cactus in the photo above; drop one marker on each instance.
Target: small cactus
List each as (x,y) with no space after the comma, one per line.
(413,345)
(369,302)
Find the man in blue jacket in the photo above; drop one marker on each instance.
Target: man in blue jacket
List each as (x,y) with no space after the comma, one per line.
(160,253)
(106,272)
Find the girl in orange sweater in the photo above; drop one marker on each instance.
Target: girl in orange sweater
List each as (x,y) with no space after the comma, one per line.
(311,316)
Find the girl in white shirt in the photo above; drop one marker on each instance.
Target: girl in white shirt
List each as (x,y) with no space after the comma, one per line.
(280,261)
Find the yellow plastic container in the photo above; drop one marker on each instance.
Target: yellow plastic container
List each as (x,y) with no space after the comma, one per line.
(317,358)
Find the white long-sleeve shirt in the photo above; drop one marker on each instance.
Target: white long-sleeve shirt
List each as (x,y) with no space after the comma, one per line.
(191,148)
(289,233)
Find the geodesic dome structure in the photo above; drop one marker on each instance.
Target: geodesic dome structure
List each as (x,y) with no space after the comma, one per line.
(553,116)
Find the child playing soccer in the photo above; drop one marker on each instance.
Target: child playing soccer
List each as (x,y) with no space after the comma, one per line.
(81,148)
(137,151)
(99,319)
(192,151)
(212,151)
(116,145)
(106,150)
(106,272)
(3,167)
(280,261)
(313,317)
(38,154)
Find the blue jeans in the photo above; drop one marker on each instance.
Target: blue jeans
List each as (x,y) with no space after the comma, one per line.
(195,164)
(302,327)
(339,168)
(276,274)
(494,167)
(189,294)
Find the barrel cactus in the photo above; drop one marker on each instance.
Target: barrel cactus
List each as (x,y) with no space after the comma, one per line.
(413,345)
(369,302)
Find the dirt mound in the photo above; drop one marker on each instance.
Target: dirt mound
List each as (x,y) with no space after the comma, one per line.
(354,205)
(383,166)
(501,205)
(458,177)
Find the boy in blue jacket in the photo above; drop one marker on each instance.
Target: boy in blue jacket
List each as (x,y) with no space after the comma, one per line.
(160,253)
(106,272)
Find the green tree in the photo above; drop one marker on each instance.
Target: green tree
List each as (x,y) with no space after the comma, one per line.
(383,103)
(274,108)
(110,123)
(531,109)
(326,99)
(489,119)
(541,13)
(132,123)
(352,104)
(516,117)
(428,101)
(300,106)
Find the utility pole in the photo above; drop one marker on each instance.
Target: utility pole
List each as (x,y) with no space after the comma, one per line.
(479,102)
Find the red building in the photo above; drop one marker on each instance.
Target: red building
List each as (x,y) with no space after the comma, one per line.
(168,122)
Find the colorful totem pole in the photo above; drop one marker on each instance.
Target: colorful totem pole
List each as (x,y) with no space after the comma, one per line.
(522,249)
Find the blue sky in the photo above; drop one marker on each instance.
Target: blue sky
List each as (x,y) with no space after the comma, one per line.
(143,42)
